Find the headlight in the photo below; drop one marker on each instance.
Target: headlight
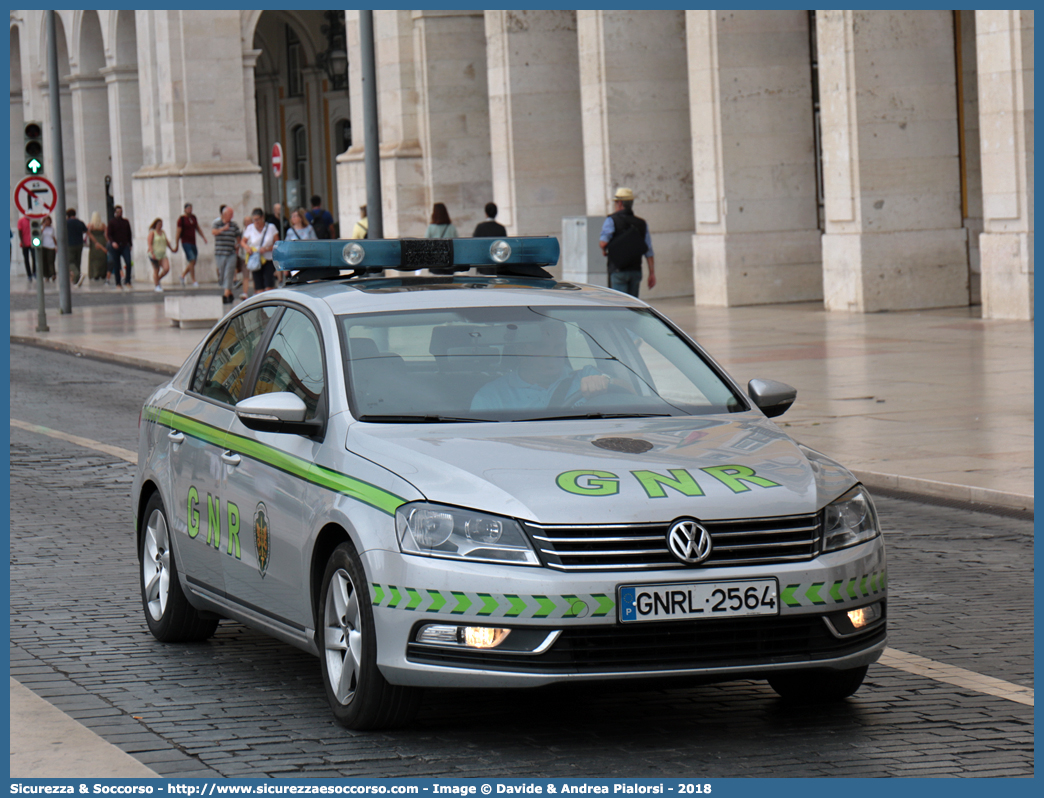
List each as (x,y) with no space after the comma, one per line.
(849,520)
(433,530)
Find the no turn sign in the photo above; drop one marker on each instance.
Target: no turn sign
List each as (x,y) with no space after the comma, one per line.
(277,160)
(35,197)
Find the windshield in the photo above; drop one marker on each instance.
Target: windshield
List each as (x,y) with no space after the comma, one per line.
(524,364)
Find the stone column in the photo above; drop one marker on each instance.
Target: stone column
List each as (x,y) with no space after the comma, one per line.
(534,104)
(453,104)
(91,122)
(753,152)
(635,117)
(195,121)
(124,133)
(894,238)
(1004,41)
(250,103)
(402,167)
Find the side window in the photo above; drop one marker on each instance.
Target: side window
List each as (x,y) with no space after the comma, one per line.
(294,361)
(224,381)
(199,378)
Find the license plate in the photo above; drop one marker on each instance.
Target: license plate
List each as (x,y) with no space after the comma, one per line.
(678,601)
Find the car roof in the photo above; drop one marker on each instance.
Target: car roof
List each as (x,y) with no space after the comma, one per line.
(410,292)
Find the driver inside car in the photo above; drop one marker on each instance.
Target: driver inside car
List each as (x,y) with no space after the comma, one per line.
(542,377)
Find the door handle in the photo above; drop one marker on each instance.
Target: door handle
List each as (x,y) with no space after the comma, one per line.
(228,458)
(176,437)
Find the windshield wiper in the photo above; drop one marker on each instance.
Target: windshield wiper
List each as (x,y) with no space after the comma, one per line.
(595,415)
(420,419)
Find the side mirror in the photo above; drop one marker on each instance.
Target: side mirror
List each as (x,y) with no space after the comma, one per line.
(773,398)
(277,412)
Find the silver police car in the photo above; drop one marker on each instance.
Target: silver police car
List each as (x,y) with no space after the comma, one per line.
(491,478)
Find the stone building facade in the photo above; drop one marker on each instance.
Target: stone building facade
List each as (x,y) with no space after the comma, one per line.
(871,160)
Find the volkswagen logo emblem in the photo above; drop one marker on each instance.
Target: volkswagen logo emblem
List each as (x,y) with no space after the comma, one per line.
(689,541)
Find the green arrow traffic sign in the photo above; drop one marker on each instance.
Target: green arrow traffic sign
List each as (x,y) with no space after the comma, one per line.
(33,166)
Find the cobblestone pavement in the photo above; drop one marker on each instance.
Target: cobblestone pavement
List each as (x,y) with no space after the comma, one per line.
(245,705)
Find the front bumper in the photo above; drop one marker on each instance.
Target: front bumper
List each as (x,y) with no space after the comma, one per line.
(578,614)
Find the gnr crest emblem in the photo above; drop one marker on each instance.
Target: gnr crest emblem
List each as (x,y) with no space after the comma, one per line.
(262,538)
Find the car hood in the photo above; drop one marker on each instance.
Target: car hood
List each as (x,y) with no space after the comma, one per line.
(609,471)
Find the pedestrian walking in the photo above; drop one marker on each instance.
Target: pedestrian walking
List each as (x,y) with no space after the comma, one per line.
(258,240)
(226,247)
(98,245)
(25,238)
(119,234)
(157,249)
(299,229)
(276,217)
(185,236)
(76,232)
(48,249)
(362,227)
(320,219)
(624,241)
(490,228)
(441,226)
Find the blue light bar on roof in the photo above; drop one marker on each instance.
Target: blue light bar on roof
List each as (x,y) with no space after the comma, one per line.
(411,254)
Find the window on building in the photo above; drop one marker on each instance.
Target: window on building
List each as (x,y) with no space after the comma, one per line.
(294,62)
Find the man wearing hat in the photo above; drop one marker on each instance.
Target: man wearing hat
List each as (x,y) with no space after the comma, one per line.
(624,240)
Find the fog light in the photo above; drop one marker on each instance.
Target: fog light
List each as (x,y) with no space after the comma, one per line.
(438,634)
(864,615)
(484,636)
(353,254)
(500,251)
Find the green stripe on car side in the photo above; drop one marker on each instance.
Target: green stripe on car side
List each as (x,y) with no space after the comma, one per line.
(364,492)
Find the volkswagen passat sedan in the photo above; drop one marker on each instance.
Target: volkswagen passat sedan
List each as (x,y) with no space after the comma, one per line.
(494,480)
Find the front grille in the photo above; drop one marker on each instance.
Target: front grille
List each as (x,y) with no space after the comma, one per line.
(652,647)
(643,547)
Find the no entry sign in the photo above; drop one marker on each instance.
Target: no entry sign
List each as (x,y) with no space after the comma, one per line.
(35,197)
(277,160)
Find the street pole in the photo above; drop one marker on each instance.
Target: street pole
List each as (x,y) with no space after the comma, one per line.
(61,235)
(374,208)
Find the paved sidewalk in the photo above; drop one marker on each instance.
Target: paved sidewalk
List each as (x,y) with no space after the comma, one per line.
(934,402)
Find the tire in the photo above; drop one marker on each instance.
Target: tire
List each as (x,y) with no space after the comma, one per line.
(817,686)
(359,695)
(170,617)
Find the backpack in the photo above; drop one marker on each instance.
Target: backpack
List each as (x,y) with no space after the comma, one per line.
(627,246)
(320,225)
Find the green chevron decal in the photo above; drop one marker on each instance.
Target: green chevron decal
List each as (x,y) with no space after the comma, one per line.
(546,606)
(812,594)
(605,605)
(493,605)
(438,601)
(463,602)
(835,591)
(489,604)
(415,599)
(518,606)
(284,461)
(856,588)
